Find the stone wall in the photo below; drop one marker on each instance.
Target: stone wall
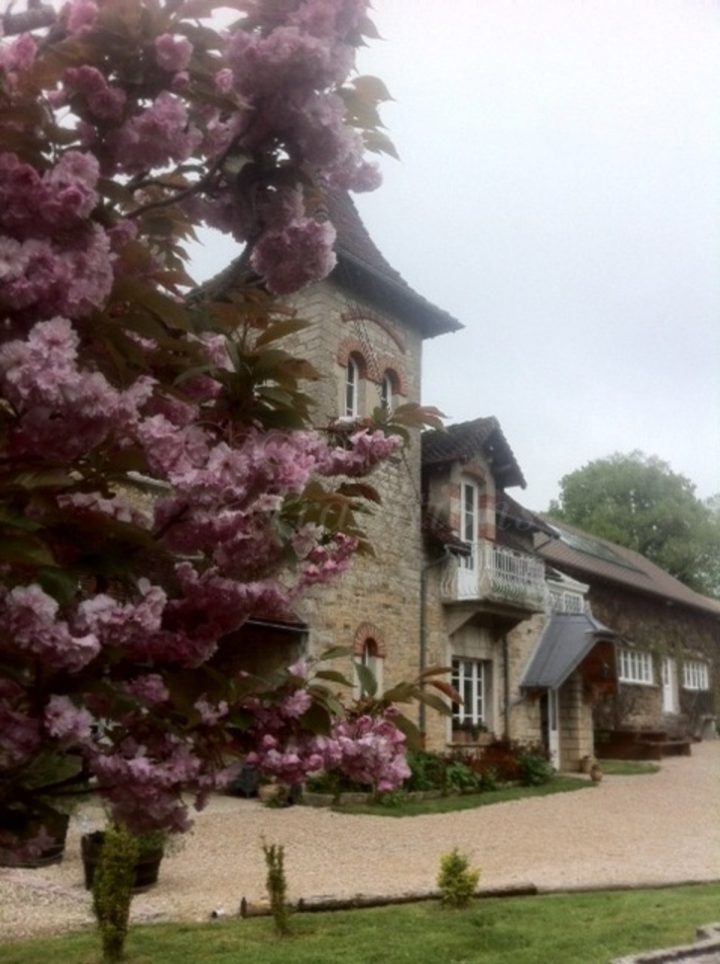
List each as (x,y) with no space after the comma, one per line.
(379,596)
(662,629)
(524,709)
(576,727)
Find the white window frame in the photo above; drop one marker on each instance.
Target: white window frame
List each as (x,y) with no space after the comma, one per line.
(696,675)
(352,389)
(635,666)
(387,393)
(562,601)
(473,672)
(370,658)
(573,602)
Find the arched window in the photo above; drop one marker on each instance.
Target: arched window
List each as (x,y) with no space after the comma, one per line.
(371,659)
(387,392)
(352,388)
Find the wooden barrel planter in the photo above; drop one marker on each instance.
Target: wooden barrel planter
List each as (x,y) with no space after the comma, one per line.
(147,865)
(25,828)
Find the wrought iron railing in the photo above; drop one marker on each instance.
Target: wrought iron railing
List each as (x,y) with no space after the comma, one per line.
(496,573)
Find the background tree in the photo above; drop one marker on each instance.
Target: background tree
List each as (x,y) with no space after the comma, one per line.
(637,501)
(159,482)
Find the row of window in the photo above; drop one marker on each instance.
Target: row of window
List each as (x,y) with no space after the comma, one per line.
(566,602)
(637,667)
(387,389)
(470,677)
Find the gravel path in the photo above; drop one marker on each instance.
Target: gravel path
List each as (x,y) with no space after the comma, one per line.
(658,828)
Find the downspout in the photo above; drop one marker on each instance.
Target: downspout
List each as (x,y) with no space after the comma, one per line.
(506,686)
(422,715)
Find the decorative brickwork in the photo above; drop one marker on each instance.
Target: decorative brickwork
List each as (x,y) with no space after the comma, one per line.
(387,365)
(352,346)
(376,319)
(365,632)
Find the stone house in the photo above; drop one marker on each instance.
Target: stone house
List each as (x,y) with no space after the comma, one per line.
(667,636)
(462,575)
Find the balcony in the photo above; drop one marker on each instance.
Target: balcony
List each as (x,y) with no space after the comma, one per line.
(495,574)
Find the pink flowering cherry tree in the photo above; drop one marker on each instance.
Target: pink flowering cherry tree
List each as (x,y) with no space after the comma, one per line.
(159,479)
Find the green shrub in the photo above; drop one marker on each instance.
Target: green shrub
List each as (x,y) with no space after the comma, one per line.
(112,890)
(534,769)
(457,882)
(486,780)
(334,782)
(459,777)
(276,883)
(427,771)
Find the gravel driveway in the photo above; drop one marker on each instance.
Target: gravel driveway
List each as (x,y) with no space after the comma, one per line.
(663,827)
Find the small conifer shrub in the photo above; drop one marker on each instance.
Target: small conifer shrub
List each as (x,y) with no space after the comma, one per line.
(457,882)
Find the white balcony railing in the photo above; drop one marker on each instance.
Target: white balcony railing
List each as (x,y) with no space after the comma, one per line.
(496,574)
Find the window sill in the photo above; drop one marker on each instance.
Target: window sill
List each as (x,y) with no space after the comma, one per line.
(637,682)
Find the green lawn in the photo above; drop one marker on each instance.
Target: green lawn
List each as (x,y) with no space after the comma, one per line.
(628,768)
(467,802)
(578,929)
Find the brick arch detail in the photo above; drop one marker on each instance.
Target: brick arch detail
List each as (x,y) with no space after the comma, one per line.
(363,633)
(352,346)
(371,316)
(386,363)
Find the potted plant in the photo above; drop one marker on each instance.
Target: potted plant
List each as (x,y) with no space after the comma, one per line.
(151,851)
(43,822)
(54,784)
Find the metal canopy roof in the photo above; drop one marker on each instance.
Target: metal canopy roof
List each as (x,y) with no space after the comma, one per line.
(565,642)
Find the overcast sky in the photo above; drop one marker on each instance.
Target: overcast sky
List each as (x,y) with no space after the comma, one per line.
(559,193)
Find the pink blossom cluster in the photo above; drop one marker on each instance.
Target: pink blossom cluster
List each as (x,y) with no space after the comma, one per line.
(144,787)
(369,750)
(29,625)
(155,137)
(85,397)
(326,562)
(54,260)
(40,376)
(364,451)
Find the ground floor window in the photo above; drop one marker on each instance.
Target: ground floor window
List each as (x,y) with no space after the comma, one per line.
(470,679)
(369,658)
(695,675)
(635,666)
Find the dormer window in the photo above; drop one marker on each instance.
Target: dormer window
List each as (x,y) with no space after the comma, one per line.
(352,388)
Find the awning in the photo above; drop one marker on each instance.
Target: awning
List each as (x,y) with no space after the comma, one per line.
(565,642)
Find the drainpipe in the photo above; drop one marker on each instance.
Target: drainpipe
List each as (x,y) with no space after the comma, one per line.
(422,715)
(506,685)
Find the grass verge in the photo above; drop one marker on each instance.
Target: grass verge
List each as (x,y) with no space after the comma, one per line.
(628,768)
(414,808)
(564,929)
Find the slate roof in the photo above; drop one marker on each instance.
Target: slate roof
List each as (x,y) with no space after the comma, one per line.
(508,510)
(361,269)
(565,641)
(482,436)
(599,559)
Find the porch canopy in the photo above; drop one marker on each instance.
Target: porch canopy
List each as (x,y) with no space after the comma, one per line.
(571,640)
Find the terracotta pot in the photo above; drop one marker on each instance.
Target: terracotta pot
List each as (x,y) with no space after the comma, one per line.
(586,764)
(147,865)
(596,773)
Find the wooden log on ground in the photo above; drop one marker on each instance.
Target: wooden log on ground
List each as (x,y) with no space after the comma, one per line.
(309,905)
